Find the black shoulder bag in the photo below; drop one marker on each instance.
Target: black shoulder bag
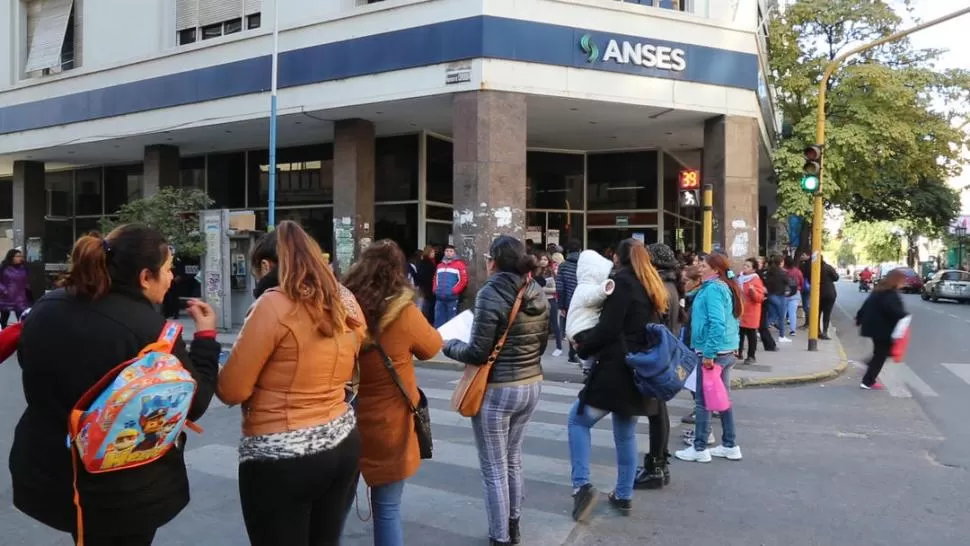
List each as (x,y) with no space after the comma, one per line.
(421,413)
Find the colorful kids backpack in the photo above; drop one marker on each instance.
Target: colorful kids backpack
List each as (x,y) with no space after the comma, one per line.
(134,414)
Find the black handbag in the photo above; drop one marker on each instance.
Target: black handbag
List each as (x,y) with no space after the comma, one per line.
(422,415)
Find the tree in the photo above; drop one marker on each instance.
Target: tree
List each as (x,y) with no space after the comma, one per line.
(873,242)
(881,120)
(172,211)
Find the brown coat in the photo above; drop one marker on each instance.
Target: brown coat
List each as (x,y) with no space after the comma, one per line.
(284,371)
(389,451)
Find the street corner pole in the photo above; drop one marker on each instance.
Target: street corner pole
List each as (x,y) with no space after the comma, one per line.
(708,218)
(818,211)
(271,205)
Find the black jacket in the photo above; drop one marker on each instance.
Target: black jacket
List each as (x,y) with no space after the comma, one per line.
(66,346)
(566,280)
(776,281)
(424,278)
(621,329)
(520,359)
(829,277)
(879,315)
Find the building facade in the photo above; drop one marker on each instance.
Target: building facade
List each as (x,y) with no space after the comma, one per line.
(424,121)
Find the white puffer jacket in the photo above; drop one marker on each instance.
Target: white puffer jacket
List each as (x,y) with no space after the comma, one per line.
(593,285)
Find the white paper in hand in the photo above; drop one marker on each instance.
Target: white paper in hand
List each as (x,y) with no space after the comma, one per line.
(459,328)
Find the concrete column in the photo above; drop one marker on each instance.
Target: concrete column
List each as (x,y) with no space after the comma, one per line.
(353,190)
(29,209)
(161,168)
(489,131)
(730,163)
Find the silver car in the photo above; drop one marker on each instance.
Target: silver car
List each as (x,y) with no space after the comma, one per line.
(948,284)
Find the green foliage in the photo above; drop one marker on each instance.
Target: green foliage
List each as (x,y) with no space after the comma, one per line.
(174,212)
(873,242)
(880,119)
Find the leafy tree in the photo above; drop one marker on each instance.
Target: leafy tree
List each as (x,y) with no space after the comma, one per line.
(172,211)
(880,117)
(873,242)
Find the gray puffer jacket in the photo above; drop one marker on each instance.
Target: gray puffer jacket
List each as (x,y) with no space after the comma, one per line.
(520,359)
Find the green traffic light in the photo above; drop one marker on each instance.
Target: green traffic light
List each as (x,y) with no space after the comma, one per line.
(810,183)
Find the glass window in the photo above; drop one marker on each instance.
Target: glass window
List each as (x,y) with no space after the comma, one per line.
(186,36)
(122,185)
(396,168)
(227,180)
(6,199)
(671,183)
(83,226)
(437,234)
(440,213)
(192,172)
(232,27)
(622,181)
(440,171)
(304,176)
(212,31)
(399,223)
(570,226)
(87,191)
(554,181)
(59,193)
(254,21)
(603,238)
(318,222)
(58,240)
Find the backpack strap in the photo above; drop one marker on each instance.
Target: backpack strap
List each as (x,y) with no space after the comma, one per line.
(171,332)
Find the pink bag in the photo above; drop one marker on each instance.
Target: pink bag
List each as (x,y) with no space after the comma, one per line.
(715,393)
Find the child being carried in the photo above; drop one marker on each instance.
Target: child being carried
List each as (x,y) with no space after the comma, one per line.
(593,285)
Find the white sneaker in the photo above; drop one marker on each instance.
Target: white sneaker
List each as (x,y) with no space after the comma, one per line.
(692,456)
(784,340)
(729,453)
(557,352)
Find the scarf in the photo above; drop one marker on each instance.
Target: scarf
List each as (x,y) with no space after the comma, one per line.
(745,278)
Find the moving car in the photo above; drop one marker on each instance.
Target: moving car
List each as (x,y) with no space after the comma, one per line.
(913,283)
(948,284)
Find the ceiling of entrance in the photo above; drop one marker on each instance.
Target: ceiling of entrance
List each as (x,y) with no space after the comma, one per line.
(553,123)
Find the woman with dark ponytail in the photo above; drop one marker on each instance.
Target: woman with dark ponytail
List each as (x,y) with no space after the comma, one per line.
(102,316)
(514,382)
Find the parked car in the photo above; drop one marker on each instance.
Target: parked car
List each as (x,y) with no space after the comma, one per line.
(948,284)
(913,283)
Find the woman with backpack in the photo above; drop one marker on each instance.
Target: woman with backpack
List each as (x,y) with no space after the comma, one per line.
(289,367)
(102,316)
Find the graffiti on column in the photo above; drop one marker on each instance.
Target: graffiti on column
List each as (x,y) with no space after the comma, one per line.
(343,238)
(739,245)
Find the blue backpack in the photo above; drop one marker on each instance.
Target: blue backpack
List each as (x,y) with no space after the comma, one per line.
(660,372)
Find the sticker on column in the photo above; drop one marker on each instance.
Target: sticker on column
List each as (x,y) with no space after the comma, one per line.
(503,216)
(640,236)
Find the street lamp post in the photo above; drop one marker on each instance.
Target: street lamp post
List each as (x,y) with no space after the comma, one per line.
(817,208)
(271,205)
(961,231)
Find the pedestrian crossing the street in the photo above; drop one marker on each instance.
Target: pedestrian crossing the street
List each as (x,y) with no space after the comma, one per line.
(902,381)
(445,497)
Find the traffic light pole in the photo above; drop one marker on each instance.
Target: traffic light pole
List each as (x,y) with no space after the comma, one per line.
(707,215)
(818,210)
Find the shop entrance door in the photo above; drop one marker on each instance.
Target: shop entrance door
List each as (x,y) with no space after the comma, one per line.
(553,226)
(601,238)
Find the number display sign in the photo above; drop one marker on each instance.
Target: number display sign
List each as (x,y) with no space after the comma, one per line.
(690,179)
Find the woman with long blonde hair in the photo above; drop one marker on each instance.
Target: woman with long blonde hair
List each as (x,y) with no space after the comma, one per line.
(638,298)
(289,368)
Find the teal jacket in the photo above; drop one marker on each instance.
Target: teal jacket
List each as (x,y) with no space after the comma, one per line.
(713,327)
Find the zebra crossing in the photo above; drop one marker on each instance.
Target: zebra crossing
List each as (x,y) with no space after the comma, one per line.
(902,381)
(445,497)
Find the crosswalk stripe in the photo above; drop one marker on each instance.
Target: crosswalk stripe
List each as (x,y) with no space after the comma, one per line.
(960,370)
(914,381)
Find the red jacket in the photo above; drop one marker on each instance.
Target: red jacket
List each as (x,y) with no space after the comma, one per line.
(450,279)
(754,296)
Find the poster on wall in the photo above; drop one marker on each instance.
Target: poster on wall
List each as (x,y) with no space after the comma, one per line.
(534,233)
(552,237)
(639,236)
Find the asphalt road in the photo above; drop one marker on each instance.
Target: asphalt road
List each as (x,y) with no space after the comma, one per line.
(824,464)
(937,369)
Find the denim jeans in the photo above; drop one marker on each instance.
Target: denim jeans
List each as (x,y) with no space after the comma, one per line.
(792,312)
(444,310)
(624,437)
(702,425)
(806,302)
(776,313)
(554,322)
(385,502)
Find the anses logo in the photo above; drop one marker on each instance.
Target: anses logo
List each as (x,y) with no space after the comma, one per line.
(589,48)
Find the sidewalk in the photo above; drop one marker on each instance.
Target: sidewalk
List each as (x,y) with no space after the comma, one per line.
(792,364)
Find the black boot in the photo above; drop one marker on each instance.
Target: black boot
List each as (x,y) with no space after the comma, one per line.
(515,536)
(650,475)
(665,468)
(493,542)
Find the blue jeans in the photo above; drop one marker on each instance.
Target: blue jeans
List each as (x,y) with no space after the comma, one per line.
(444,310)
(624,437)
(806,302)
(702,426)
(385,503)
(554,322)
(792,312)
(776,313)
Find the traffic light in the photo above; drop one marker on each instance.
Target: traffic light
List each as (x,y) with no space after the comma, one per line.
(812,171)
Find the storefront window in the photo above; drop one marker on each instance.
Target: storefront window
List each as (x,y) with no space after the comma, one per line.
(398,223)
(304,176)
(58,240)
(602,238)
(554,181)
(192,173)
(570,226)
(622,181)
(83,226)
(437,234)
(396,168)
(87,191)
(122,185)
(227,181)
(671,173)
(435,212)
(60,198)
(318,223)
(6,199)
(440,170)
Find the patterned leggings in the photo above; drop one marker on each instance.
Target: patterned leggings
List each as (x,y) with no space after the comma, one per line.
(499,430)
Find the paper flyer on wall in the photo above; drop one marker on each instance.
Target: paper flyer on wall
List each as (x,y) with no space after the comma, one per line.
(459,328)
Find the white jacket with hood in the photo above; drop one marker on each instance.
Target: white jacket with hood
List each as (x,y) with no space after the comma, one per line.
(593,285)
